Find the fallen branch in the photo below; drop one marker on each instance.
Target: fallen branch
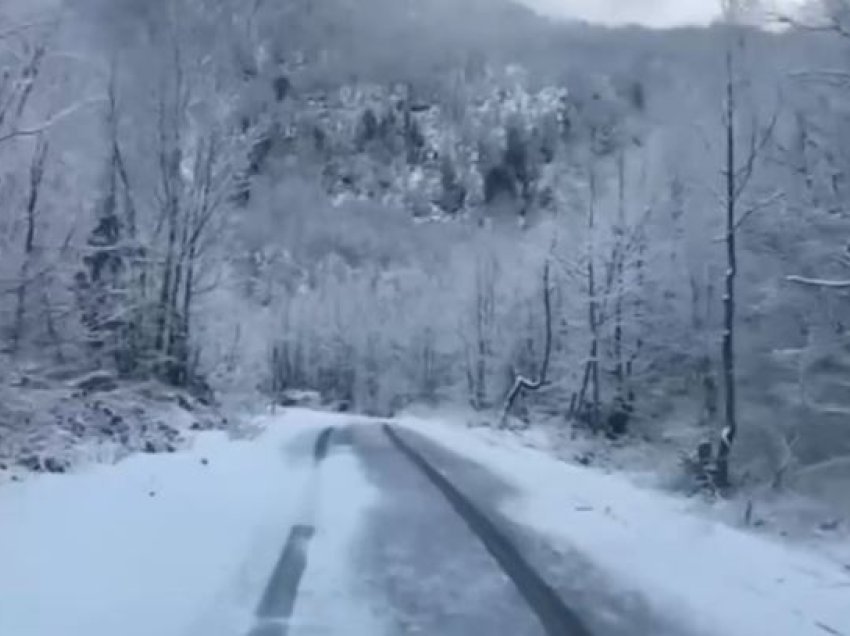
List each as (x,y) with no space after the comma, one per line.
(828,629)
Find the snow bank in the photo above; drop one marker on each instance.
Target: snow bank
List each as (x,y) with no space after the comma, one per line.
(159,544)
(52,425)
(716,578)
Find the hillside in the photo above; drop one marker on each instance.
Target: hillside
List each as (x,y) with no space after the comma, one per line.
(391,204)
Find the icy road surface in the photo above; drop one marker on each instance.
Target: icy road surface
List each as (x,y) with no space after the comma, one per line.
(326,526)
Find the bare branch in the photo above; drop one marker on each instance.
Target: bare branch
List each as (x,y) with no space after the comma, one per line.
(832,25)
(818,282)
(757,146)
(749,212)
(55,119)
(822,74)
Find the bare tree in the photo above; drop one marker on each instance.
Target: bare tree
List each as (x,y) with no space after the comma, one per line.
(480,352)
(521,383)
(737,176)
(730,429)
(591,377)
(35,179)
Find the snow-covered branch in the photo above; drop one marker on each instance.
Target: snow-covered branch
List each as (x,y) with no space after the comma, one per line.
(819,282)
(38,129)
(832,25)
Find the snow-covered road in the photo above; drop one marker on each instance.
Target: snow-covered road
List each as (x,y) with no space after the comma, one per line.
(302,533)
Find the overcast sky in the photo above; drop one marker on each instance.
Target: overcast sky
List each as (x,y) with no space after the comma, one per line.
(650,12)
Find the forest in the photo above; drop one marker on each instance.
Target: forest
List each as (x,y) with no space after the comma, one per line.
(630,235)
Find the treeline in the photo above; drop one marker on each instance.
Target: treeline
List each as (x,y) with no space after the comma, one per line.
(573,235)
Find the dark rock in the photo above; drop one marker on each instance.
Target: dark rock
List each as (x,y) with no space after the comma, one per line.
(585,459)
(184,403)
(29,382)
(30,462)
(152,493)
(207,400)
(618,420)
(830,526)
(281,86)
(196,426)
(97,382)
(204,461)
(201,390)
(170,448)
(78,429)
(149,447)
(53,465)
(3,466)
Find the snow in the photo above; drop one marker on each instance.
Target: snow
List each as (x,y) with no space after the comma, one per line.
(819,282)
(183,544)
(158,544)
(327,600)
(712,577)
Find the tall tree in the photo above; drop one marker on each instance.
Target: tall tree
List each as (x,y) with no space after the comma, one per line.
(737,175)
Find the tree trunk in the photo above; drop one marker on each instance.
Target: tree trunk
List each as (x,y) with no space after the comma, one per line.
(484,315)
(730,430)
(36,176)
(523,384)
(619,264)
(593,308)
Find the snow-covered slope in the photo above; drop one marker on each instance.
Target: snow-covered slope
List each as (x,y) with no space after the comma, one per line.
(716,578)
(158,544)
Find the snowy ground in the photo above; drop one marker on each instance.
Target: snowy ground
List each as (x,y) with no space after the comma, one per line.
(176,544)
(716,578)
(327,604)
(185,544)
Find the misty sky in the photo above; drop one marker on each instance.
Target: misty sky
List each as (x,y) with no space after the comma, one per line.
(650,12)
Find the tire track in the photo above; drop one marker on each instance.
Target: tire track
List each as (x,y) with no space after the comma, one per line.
(555,617)
(278,601)
(323,444)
